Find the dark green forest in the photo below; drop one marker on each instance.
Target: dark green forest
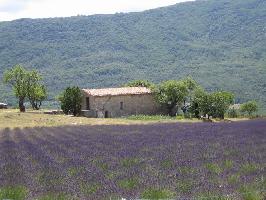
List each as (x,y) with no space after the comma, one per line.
(220,43)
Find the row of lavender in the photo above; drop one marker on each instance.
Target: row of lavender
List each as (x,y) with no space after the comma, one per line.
(141,161)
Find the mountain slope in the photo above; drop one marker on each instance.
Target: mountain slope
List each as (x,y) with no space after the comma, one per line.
(221,43)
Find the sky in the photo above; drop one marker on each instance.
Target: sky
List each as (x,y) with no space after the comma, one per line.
(15,9)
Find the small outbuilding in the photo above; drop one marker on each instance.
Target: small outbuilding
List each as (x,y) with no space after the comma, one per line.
(3,106)
(118,102)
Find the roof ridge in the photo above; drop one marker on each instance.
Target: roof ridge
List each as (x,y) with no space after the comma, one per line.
(117,91)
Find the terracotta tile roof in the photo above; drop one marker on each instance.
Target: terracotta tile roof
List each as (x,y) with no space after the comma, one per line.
(117,91)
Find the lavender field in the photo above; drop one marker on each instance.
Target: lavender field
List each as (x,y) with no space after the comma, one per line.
(176,161)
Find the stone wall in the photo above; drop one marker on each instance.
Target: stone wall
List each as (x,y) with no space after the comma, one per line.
(110,106)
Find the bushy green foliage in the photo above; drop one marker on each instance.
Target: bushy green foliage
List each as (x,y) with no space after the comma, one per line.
(17,78)
(249,107)
(26,84)
(173,93)
(71,100)
(232,113)
(212,104)
(36,92)
(221,44)
(220,102)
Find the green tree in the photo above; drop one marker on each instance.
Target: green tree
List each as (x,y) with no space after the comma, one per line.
(71,100)
(249,107)
(36,92)
(212,104)
(190,83)
(220,102)
(200,102)
(171,94)
(140,83)
(38,95)
(17,78)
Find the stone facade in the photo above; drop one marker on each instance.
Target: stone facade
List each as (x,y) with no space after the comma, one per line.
(119,105)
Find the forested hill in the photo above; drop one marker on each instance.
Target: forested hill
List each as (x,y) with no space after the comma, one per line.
(221,43)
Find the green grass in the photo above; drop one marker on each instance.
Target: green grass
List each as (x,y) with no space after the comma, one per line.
(74,171)
(104,166)
(128,184)
(248,168)
(231,152)
(129,162)
(13,192)
(155,194)
(55,197)
(48,178)
(250,192)
(88,189)
(212,196)
(161,118)
(14,119)
(233,179)
(228,164)
(186,170)
(213,168)
(184,186)
(150,117)
(167,164)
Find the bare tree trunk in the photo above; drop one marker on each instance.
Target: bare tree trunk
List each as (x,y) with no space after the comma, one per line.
(171,110)
(21,105)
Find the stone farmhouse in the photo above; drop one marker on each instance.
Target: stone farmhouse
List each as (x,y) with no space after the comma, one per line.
(118,102)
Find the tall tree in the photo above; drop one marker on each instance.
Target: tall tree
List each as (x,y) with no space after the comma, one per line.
(220,102)
(36,92)
(37,95)
(200,102)
(17,78)
(171,94)
(26,85)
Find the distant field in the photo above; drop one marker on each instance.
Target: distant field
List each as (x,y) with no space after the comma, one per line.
(14,119)
(186,160)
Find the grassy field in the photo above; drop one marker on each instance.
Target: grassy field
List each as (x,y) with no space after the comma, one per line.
(12,118)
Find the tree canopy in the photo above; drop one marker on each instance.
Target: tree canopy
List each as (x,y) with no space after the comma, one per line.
(172,94)
(71,100)
(212,104)
(26,85)
(250,107)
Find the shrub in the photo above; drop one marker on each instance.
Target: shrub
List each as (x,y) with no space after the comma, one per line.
(250,107)
(71,101)
(232,113)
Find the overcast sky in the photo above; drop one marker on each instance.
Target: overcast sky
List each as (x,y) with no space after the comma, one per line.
(15,9)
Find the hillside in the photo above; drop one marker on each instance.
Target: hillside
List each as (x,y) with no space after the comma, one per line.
(221,43)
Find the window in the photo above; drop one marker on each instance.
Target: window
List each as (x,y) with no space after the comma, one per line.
(121,105)
(88,103)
